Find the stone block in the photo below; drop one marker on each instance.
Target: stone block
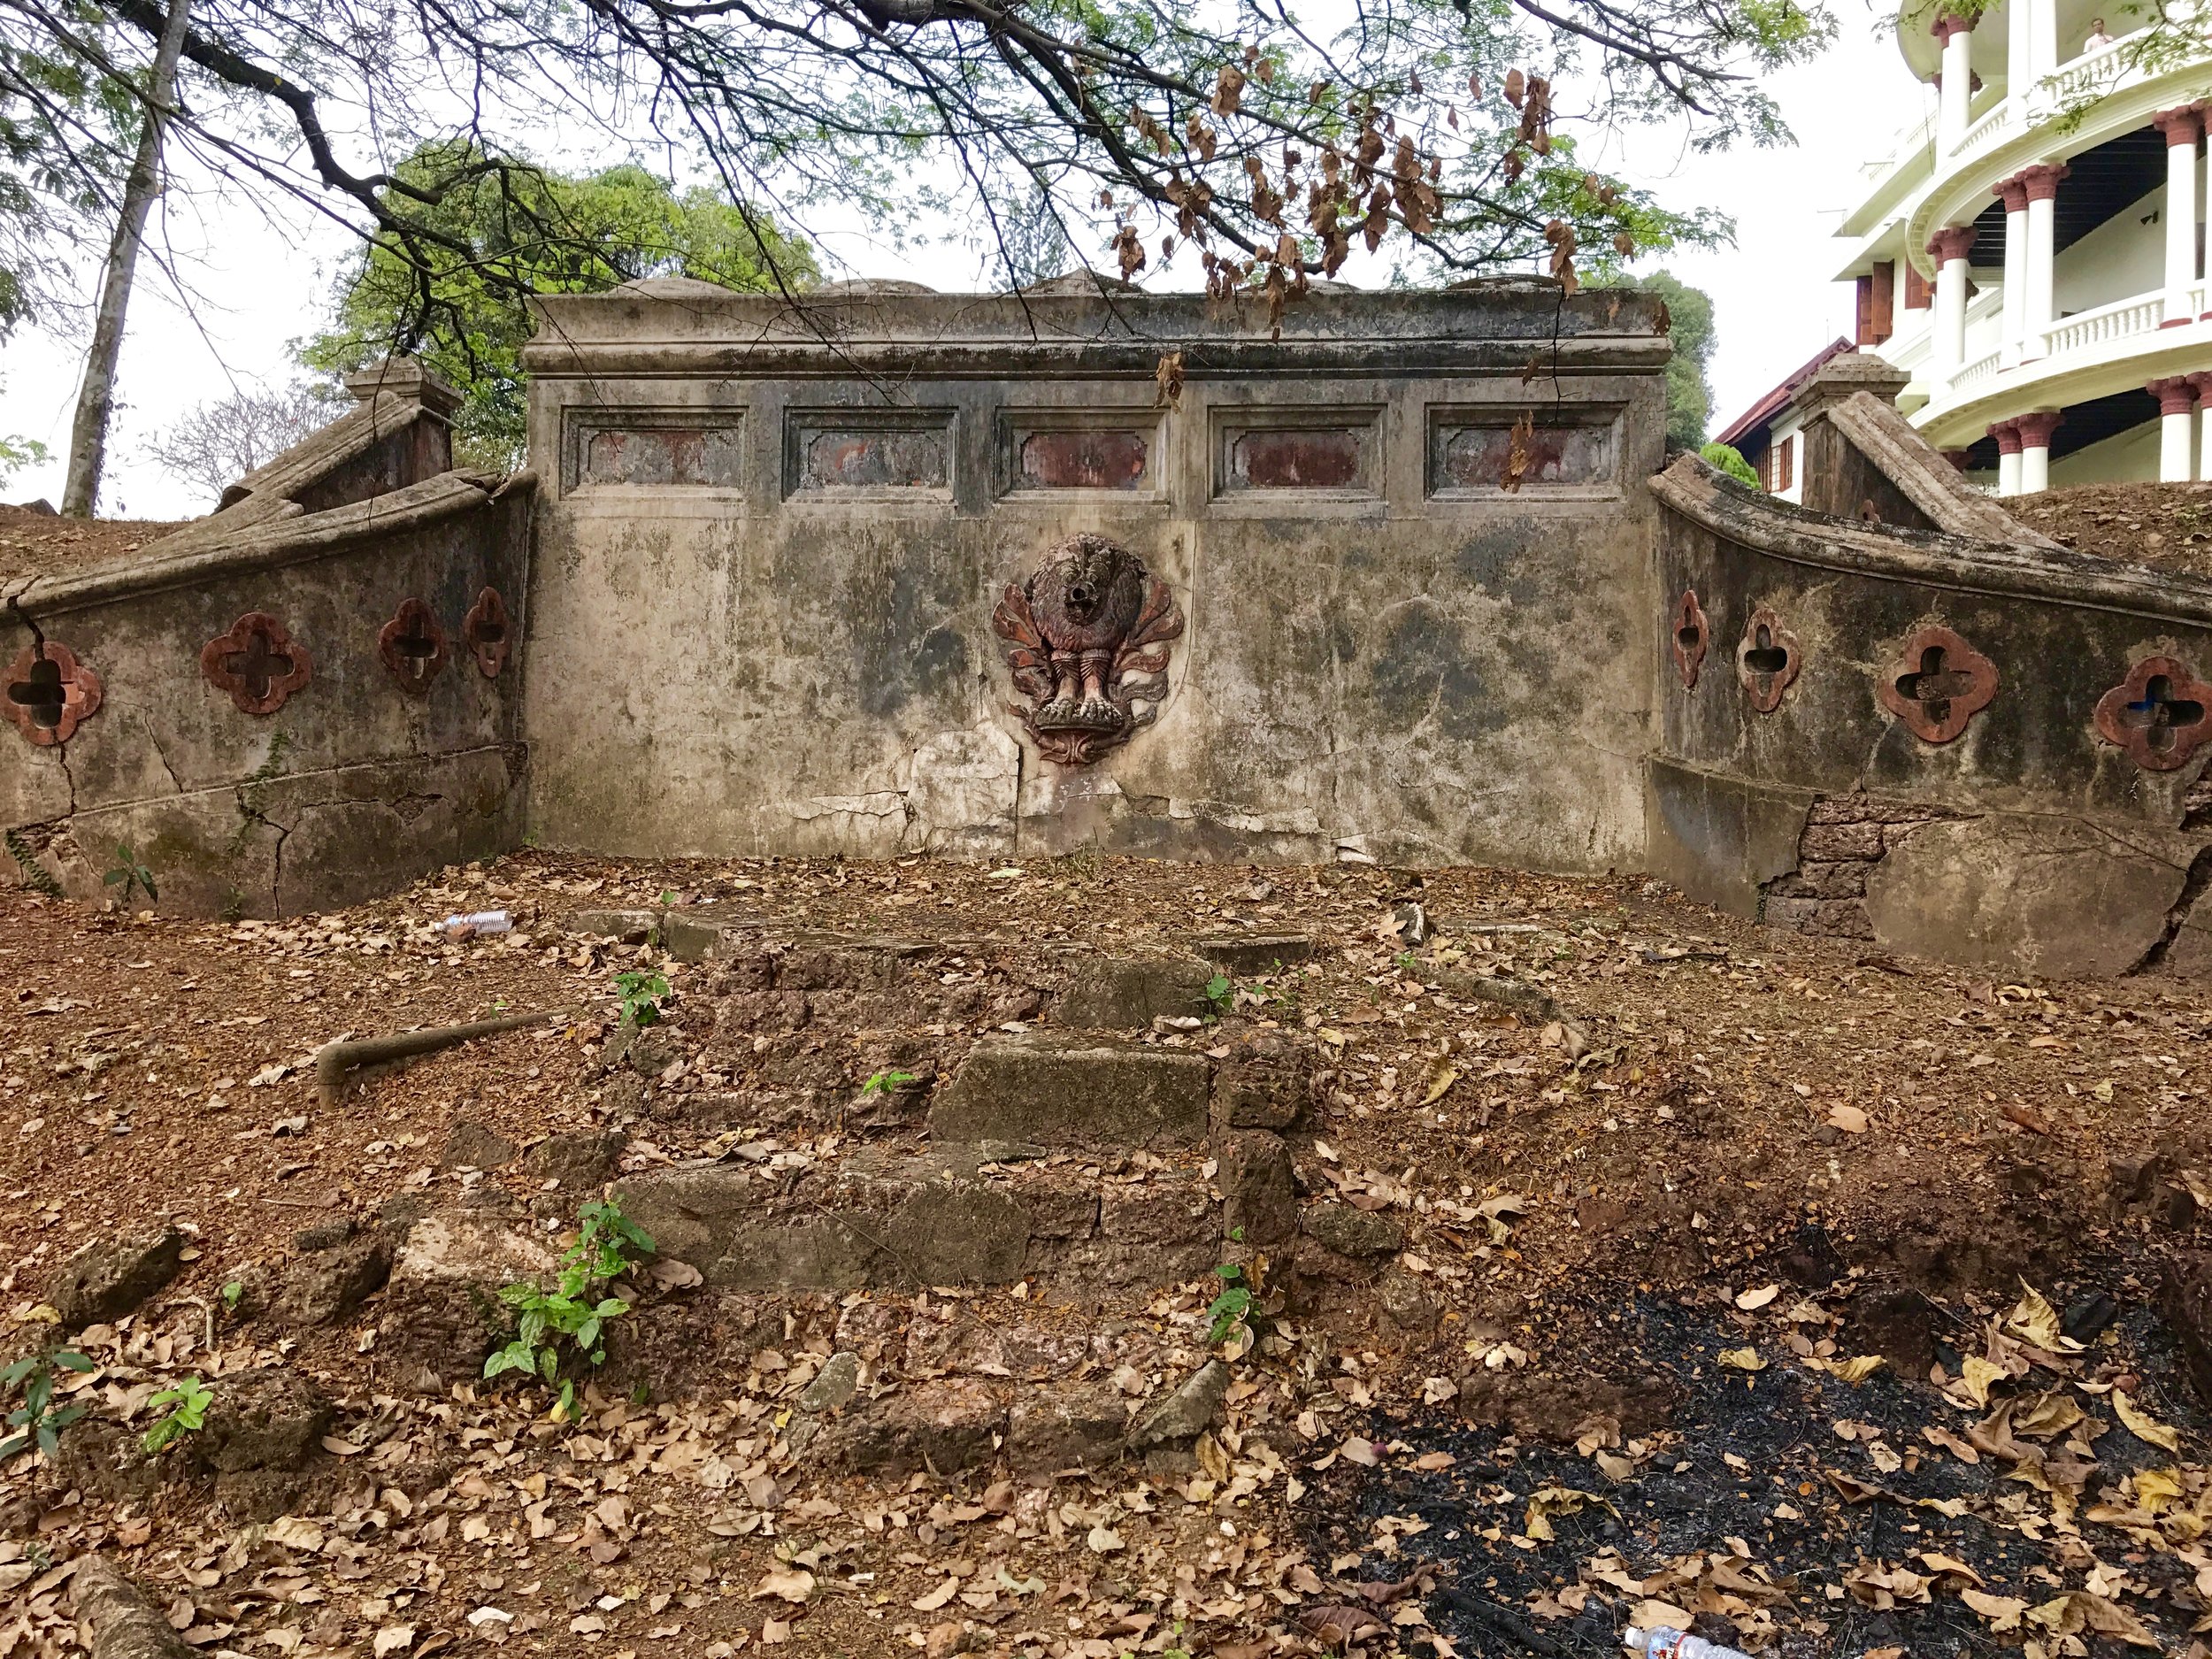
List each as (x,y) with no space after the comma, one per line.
(269,1418)
(1353,1233)
(1259,1189)
(575,1162)
(1823,840)
(1128,994)
(1186,1413)
(708,933)
(2050,895)
(322,1286)
(1264,1084)
(958,1232)
(1059,1204)
(2185,1304)
(624,926)
(1244,954)
(1065,1428)
(942,1427)
(112,1277)
(469,1145)
(1054,1090)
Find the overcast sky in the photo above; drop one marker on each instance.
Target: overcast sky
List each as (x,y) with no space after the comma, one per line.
(256,288)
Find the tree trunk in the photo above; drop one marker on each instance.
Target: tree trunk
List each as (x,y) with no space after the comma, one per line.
(96,398)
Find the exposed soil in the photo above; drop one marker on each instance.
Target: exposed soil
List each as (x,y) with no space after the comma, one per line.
(35,543)
(2167,526)
(1649,1224)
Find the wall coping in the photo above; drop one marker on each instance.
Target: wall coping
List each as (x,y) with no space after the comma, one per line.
(1929,481)
(1930,558)
(274,544)
(677,327)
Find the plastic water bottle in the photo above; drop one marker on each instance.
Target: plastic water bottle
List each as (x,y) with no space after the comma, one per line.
(475,924)
(1663,1641)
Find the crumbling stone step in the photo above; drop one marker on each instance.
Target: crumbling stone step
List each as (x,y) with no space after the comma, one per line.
(1052,1089)
(915,1222)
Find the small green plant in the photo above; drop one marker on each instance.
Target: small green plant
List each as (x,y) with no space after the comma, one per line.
(573,1315)
(130,875)
(639,992)
(232,1293)
(884,1082)
(188,1404)
(253,794)
(1220,994)
(1232,1307)
(36,876)
(36,1422)
(1731,462)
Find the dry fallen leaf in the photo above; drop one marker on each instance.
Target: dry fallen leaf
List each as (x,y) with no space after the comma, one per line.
(1744,1358)
(2144,1426)
(1850,1119)
(786,1586)
(1751,1300)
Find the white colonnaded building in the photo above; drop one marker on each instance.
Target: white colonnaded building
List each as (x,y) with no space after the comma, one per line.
(2032,255)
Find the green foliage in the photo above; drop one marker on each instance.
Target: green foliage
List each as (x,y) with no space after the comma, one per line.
(18,453)
(1232,1307)
(640,994)
(883,1082)
(188,1404)
(131,875)
(447,281)
(1690,320)
(232,1292)
(571,1318)
(253,794)
(36,1422)
(1730,460)
(1220,994)
(36,876)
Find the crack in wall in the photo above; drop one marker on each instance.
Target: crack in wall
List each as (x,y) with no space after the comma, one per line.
(2193,885)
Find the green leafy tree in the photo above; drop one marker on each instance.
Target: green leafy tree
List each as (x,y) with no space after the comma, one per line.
(1689,393)
(505,231)
(1262,144)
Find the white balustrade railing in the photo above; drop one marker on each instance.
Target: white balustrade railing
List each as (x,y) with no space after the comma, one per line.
(2120,321)
(1991,129)
(2091,72)
(1974,373)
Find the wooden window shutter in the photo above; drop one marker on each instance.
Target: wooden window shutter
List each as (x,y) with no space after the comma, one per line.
(1785,463)
(1916,288)
(1884,281)
(1863,321)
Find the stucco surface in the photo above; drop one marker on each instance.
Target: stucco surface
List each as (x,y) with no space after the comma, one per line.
(1388,660)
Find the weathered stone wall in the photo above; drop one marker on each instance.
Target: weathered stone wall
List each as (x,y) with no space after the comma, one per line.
(771,544)
(1896,734)
(276,728)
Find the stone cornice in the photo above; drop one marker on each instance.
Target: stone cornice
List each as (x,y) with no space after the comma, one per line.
(1506,326)
(1707,498)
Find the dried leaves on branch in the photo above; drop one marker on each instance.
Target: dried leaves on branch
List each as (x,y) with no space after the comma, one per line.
(1272,143)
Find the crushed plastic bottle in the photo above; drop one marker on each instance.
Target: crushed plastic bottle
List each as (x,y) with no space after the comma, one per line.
(475,924)
(1663,1641)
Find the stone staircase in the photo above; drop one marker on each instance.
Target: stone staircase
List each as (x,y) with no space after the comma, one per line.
(1086,1151)
(951,1182)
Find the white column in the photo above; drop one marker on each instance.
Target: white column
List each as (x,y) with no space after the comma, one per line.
(2177,427)
(2042,37)
(2011,344)
(1957,36)
(2038,284)
(2182,129)
(2008,436)
(2019,52)
(1947,341)
(2201,385)
(2035,449)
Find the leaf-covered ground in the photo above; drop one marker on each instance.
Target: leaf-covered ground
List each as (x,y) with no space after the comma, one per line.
(1670,1187)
